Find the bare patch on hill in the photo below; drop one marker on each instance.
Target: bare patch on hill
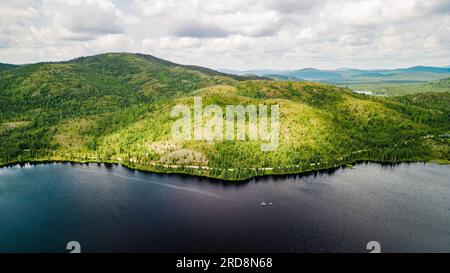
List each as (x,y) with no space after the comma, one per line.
(162,147)
(184,157)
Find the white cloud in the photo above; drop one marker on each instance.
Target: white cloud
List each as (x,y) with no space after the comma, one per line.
(81,20)
(16,12)
(285,34)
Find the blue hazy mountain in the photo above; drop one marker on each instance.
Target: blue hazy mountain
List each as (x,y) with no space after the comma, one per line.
(414,74)
(430,69)
(312,74)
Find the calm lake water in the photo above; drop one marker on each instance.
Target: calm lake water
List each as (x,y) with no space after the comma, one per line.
(113,209)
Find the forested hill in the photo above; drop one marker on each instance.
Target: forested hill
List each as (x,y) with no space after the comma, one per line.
(148,76)
(116,108)
(6,66)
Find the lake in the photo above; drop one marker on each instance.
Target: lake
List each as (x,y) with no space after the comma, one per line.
(109,208)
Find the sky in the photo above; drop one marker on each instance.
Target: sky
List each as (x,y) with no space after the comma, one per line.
(235,34)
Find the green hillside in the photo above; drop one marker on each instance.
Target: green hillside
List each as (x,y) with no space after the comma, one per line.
(116,108)
(6,66)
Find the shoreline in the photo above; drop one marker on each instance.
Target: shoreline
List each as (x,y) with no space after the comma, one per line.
(171,171)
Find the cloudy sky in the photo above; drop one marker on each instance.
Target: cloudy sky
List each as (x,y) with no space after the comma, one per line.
(239,34)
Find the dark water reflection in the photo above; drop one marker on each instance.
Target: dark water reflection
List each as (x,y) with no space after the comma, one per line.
(110,208)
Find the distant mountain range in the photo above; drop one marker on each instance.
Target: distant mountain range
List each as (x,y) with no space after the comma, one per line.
(414,74)
(341,76)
